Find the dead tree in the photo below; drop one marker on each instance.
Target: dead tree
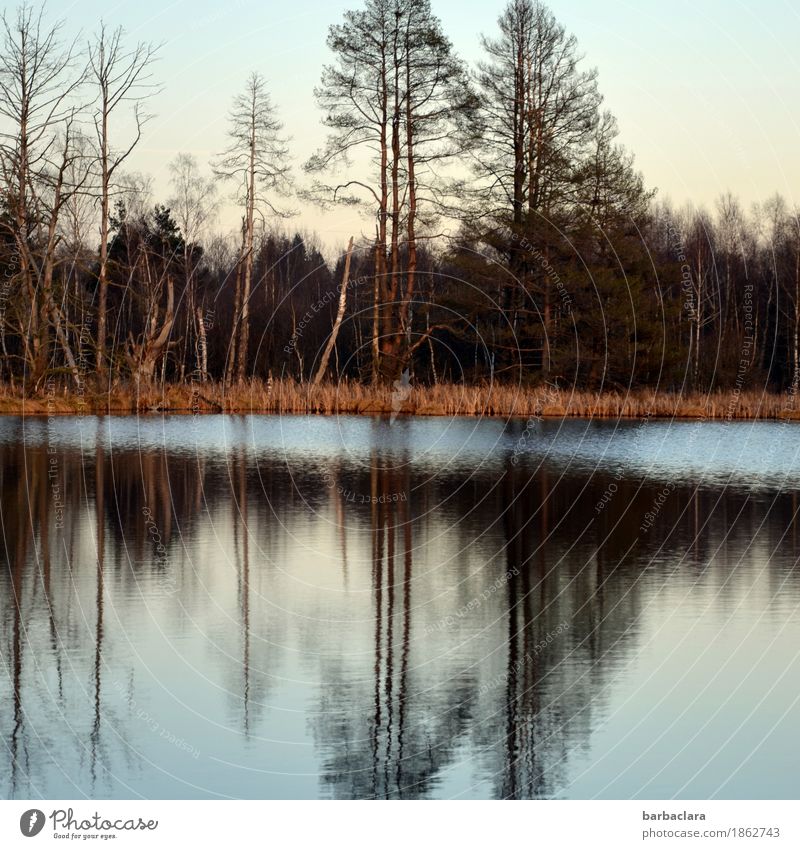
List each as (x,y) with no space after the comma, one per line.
(257,160)
(323,363)
(122,78)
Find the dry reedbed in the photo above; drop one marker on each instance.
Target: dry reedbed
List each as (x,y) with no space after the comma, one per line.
(288,396)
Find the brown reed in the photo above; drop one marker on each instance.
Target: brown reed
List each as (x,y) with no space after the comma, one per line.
(346,397)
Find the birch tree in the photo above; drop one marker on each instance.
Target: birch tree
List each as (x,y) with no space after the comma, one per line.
(193,205)
(326,354)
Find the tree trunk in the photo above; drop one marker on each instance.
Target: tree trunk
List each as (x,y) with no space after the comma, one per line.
(376,314)
(237,305)
(202,345)
(383,209)
(241,370)
(404,329)
(323,363)
(389,359)
(796,370)
(143,356)
(102,279)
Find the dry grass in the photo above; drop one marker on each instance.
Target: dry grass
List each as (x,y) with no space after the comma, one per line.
(287,396)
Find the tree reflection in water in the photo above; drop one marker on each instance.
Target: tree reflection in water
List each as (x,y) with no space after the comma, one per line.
(248,623)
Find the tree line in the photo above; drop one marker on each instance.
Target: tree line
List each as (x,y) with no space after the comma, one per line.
(507,234)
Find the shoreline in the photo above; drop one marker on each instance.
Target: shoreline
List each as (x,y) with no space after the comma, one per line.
(345,398)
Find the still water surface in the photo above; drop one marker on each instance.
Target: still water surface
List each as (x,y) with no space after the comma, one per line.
(274,607)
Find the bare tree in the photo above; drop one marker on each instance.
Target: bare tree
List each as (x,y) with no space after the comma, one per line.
(38,85)
(323,363)
(194,205)
(151,250)
(793,235)
(702,301)
(257,160)
(60,184)
(730,228)
(781,233)
(123,79)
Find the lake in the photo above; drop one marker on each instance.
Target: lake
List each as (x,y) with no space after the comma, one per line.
(303,607)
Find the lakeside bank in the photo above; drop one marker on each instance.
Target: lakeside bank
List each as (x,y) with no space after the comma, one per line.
(291,397)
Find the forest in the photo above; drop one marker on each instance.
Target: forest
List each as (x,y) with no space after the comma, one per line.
(508,238)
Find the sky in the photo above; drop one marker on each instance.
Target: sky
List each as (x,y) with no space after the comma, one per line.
(706,92)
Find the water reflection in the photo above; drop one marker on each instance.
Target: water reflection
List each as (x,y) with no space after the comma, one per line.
(248,619)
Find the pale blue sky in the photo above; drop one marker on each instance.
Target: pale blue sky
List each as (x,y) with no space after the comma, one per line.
(707,92)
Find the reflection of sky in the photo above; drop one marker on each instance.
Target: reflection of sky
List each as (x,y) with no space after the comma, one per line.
(742,454)
(730,680)
(705,90)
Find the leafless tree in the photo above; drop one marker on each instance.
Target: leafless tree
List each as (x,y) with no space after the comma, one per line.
(257,161)
(123,80)
(323,363)
(38,89)
(151,260)
(194,205)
